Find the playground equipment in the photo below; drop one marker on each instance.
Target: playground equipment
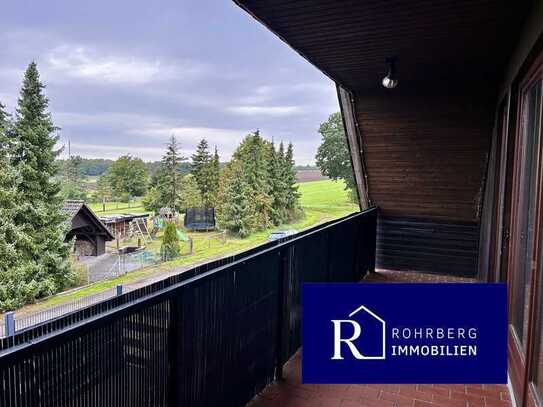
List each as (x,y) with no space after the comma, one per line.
(139,229)
(167,214)
(200,219)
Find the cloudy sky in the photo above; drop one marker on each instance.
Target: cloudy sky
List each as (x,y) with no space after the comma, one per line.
(123,75)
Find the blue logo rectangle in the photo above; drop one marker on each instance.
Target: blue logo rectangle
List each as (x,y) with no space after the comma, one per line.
(404,333)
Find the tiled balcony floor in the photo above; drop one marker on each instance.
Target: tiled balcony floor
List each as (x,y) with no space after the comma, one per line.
(291,393)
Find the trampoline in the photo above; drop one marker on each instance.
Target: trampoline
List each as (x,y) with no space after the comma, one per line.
(200,219)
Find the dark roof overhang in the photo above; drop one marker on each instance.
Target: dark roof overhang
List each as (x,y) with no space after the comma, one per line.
(436,41)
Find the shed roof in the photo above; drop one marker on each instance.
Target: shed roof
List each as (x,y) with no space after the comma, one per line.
(72,207)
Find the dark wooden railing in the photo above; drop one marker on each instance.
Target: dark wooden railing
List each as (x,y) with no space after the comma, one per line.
(216,336)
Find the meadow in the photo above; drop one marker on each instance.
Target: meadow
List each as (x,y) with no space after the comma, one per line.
(116,207)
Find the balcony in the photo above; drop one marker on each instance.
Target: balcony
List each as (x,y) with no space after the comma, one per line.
(215,335)
(447,157)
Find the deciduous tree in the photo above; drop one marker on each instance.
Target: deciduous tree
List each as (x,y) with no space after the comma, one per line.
(333,156)
(128,176)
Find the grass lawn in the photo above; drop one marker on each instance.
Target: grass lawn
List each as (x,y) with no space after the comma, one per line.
(322,201)
(117,208)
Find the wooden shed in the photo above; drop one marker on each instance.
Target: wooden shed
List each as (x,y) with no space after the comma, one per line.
(90,233)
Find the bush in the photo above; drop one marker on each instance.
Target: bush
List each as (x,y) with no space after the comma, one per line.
(81,276)
(170,248)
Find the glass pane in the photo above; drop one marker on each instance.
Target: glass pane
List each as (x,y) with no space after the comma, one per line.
(527,208)
(539,351)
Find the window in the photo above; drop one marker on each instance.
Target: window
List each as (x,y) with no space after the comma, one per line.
(526,211)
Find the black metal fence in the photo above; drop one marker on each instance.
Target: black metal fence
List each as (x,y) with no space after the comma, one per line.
(213,336)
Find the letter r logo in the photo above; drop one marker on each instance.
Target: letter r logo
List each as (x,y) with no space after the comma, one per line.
(349,342)
(348,331)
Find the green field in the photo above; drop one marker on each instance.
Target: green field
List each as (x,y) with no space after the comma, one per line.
(321,200)
(115,207)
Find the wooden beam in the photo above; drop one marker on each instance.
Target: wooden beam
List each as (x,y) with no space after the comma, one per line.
(354,142)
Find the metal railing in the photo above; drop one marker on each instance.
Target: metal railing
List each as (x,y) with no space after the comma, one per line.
(214,336)
(22,321)
(114,265)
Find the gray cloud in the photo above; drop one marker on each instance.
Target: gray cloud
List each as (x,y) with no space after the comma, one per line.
(123,76)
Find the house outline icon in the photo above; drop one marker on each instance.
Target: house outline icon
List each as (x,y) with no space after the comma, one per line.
(383,332)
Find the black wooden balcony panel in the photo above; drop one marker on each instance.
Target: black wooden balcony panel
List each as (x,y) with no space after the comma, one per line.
(216,336)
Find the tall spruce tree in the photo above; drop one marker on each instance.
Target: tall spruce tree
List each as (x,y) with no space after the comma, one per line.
(277,185)
(170,179)
(4,128)
(215,176)
(202,167)
(14,267)
(291,189)
(237,213)
(253,155)
(32,156)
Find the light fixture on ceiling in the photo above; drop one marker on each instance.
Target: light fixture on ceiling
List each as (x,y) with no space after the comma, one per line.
(390,81)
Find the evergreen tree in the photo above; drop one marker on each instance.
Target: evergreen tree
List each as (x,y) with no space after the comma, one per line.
(201,168)
(15,268)
(253,155)
(169,178)
(73,179)
(237,212)
(33,159)
(191,196)
(215,175)
(277,185)
(170,248)
(289,177)
(4,128)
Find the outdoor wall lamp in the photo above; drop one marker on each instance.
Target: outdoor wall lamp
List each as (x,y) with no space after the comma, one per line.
(391,81)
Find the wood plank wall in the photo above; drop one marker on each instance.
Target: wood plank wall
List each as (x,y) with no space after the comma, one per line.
(424,245)
(426,154)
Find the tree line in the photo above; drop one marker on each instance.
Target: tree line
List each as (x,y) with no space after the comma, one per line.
(258,187)
(255,190)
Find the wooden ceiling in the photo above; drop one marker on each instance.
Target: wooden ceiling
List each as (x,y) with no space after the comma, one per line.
(452,41)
